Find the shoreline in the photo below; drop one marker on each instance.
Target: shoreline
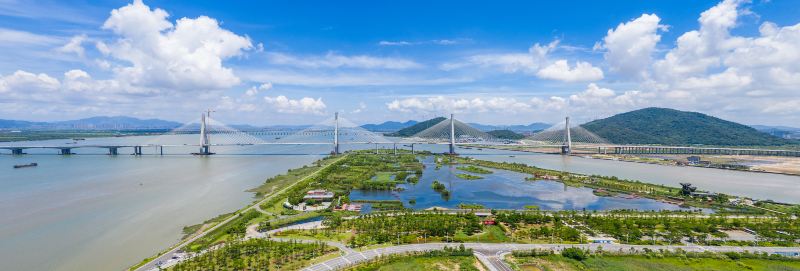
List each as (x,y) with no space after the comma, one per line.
(189,239)
(620,159)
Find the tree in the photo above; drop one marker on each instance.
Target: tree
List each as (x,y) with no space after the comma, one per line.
(575,253)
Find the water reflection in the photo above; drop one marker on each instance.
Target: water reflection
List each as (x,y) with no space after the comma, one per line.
(504,190)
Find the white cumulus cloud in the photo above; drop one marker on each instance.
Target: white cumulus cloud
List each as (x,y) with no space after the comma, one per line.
(185,56)
(560,70)
(305,105)
(75,45)
(630,46)
(440,104)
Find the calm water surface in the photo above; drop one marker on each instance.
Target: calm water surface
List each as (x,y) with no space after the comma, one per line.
(503,190)
(99,212)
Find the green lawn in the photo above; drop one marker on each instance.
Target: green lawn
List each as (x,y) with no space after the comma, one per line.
(384,176)
(490,234)
(642,263)
(461,263)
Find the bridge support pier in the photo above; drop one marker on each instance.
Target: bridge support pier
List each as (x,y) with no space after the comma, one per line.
(137,150)
(412,148)
(17,151)
(113,150)
(66,151)
(205,150)
(394,146)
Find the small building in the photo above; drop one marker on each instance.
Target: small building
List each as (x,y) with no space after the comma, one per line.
(349,207)
(693,160)
(489,221)
(318,194)
(601,240)
(741,201)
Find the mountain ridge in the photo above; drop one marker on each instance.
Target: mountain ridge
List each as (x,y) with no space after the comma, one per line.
(91,123)
(666,126)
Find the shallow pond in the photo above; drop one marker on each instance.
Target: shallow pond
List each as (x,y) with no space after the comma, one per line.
(503,190)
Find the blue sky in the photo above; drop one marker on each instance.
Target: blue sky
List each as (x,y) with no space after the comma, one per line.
(266,62)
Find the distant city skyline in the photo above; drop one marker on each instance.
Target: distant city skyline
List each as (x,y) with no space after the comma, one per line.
(268,63)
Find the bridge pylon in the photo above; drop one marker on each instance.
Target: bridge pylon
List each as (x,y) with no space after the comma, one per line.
(452,135)
(205,142)
(336,133)
(567,147)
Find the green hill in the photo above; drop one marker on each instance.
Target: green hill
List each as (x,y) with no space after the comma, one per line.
(506,134)
(416,128)
(673,127)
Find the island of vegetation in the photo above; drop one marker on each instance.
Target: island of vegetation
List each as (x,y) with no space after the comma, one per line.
(474,169)
(468,176)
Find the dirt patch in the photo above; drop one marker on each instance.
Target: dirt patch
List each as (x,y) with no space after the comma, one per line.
(451,267)
(539,264)
(784,165)
(477,263)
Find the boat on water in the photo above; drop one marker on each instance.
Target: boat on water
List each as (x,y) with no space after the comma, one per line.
(26,165)
(78,139)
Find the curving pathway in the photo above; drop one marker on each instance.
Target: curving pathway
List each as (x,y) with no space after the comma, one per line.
(491,254)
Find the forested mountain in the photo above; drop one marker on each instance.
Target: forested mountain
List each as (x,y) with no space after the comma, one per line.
(506,134)
(389,126)
(672,127)
(419,127)
(533,127)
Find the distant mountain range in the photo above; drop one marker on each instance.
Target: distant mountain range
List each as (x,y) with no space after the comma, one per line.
(644,126)
(418,127)
(672,127)
(100,123)
(779,131)
(394,126)
(389,126)
(533,127)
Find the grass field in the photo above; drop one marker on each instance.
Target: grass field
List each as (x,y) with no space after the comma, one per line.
(491,234)
(643,263)
(452,263)
(384,177)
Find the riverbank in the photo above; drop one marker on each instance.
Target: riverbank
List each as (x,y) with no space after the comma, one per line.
(789,166)
(220,232)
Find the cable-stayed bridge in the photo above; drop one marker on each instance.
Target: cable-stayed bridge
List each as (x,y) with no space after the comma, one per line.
(336,131)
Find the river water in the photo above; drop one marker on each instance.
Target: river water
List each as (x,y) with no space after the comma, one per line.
(100,212)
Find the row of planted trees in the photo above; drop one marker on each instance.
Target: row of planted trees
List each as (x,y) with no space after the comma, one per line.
(407,227)
(666,227)
(253,254)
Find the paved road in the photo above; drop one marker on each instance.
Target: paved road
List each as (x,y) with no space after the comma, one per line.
(170,256)
(493,252)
